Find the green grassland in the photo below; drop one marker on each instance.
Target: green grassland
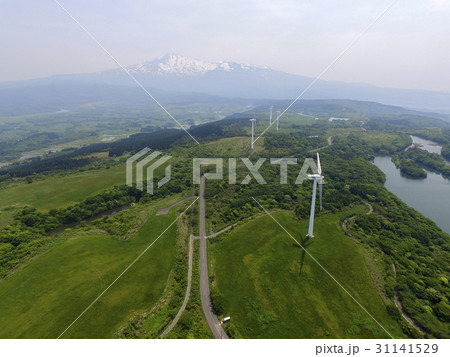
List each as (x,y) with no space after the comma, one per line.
(233,147)
(44,296)
(61,190)
(385,143)
(238,146)
(272,290)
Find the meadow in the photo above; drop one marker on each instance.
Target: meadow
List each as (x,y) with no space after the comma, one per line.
(43,297)
(262,278)
(271,289)
(61,190)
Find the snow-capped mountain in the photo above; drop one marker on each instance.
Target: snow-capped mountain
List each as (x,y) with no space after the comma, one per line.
(179,65)
(175,72)
(174,64)
(181,74)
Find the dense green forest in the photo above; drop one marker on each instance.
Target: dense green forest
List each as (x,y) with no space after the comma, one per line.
(412,161)
(446,151)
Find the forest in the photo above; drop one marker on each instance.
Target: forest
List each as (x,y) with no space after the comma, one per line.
(412,162)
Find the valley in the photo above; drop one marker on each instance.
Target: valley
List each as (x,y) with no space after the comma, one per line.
(258,275)
(197,178)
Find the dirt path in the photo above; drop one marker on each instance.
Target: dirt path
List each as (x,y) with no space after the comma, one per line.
(397,298)
(166,210)
(188,290)
(329,141)
(215,234)
(348,220)
(400,307)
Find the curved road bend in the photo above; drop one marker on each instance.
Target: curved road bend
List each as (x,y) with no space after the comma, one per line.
(400,307)
(213,322)
(191,252)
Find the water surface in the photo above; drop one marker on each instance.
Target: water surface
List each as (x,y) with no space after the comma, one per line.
(430,196)
(427,145)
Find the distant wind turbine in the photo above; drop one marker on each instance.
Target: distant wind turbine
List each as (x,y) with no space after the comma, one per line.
(253,131)
(270,118)
(278,118)
(317,178)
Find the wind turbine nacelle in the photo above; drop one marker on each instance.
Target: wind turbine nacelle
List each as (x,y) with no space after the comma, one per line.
(315,177)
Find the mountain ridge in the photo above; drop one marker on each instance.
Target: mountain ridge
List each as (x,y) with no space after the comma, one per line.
(176,73)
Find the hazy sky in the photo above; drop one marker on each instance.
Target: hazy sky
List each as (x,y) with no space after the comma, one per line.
(409,48)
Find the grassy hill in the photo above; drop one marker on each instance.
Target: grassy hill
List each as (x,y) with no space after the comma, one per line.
(272,290)
(264,281)
(43,297)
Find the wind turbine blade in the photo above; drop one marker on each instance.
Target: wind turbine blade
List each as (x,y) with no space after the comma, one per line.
(319,168)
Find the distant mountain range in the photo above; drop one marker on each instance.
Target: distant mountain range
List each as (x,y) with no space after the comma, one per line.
(187,76)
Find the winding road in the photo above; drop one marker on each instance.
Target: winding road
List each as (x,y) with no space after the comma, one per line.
(329,143)
(400,307)
(188,290)
(347,221)
(191,252)
(211,318)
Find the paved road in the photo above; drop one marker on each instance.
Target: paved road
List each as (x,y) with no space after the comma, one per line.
(188,290)
(213,322)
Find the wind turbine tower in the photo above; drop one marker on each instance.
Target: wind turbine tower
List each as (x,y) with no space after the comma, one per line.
(278,118)
(253,131)
(270,118)
(317,178)
(319,169)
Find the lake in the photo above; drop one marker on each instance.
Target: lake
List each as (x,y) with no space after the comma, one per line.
(430,196)
(427,145)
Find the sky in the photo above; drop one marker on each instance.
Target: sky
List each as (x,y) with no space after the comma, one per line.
(408,48)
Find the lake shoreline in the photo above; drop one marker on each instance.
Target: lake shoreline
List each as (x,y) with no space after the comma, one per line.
(429,196)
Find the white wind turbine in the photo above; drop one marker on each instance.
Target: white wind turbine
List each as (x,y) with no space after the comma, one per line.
(270,118)
(253,131)
(278,118)
(318,178)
